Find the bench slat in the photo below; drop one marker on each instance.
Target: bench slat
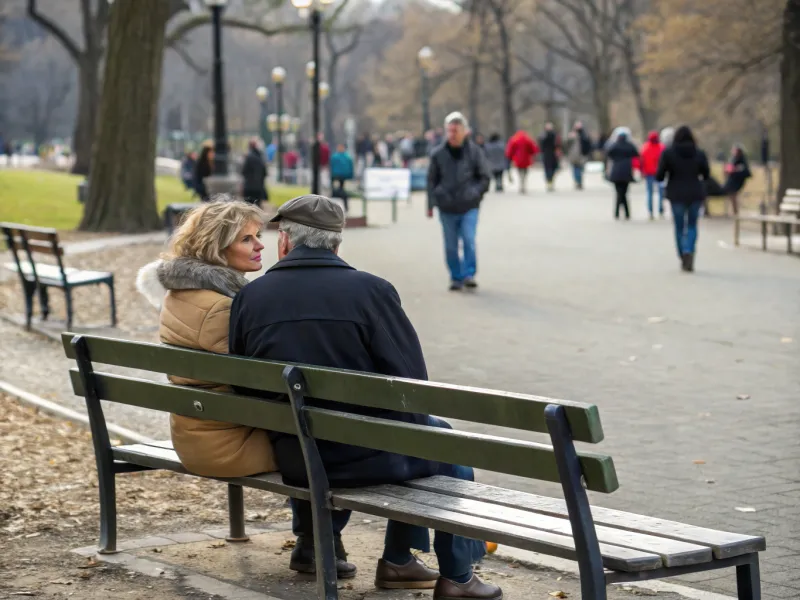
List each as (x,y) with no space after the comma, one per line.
(518,411)
(37,246)
(51,274)
(614,557)
(502,455)
(673,553)
(723,544)
(166,458)
(787,219)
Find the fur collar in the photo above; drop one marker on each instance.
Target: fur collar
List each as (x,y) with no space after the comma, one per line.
(156,278)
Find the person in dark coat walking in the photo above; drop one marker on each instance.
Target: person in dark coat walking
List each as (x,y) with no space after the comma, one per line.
(458,177)
(550,146)
(254,173)
(313,308)
(621,155)
(496,155)
(738,171)
(204,168)
(685,167)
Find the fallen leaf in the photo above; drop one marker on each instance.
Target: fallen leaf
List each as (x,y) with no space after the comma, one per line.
(288,544)
(191,556)
(743,397)
(745,509)
(711,481)
(86,575)
(33,535)
(558,594)
(157,550)
(699,462)
(559,578)
(61,582)
(90,564)
(219,544)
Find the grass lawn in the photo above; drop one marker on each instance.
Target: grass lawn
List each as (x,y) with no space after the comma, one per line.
(50,199)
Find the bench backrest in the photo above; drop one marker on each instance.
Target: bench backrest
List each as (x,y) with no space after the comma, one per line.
(489,452)
(24,241)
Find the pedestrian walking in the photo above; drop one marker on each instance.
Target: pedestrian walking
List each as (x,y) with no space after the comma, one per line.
(651,155)
(550,145)
(342,170)
(498,163)
(188,165)
(737,170)
(685,167)
(204,168)
(458,178)
(521,150)
(254,174)
(620,164)
(579,150)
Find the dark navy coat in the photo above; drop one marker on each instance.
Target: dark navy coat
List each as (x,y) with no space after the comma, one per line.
(314,308)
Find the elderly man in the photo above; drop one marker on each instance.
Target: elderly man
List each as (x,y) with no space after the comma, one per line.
(458,177)
(313,308)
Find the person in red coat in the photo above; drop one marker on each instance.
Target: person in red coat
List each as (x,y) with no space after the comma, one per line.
(650,155)
(521,151)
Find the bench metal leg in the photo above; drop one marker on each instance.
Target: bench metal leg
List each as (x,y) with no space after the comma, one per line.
(764,236)
(104,457)
(44,302)
(68,301)
(789,239)
(236,514)
(29,289)
(113,300)
(748,580)
(324,548)
(590,561)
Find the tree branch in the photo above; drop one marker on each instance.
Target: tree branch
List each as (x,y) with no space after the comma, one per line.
(69,44)
(187,59)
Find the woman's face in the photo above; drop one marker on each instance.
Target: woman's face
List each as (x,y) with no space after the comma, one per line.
(244,254)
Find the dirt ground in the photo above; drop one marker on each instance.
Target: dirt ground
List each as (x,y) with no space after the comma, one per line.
(48,506)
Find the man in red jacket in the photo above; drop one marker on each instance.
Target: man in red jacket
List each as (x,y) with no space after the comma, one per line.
(651,154)
(522,150)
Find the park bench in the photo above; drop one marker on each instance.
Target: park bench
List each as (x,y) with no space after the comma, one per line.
(174,214)
(609,546)
(23,242)
(789,216)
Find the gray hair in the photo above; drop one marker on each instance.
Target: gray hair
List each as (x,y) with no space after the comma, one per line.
(303,235)
(457,118)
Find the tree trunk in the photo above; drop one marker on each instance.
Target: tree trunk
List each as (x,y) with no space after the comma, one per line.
(602,101)
(86,119)
(331,104)
(509,115)
(122,181)
(790,100)
(474,94)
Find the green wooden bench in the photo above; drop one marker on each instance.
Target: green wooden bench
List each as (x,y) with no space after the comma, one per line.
(609,546)
(25,241)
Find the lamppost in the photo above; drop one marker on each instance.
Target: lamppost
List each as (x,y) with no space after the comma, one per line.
(278,76)
(315,24)
(262,93)
(220,130)
(425,61)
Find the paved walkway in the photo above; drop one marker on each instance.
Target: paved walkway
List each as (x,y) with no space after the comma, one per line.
(573,304)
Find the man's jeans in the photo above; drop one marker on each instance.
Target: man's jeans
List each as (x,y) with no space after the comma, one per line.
(577,174)
(685,216)
(456,554)
(650,182)
(460,228)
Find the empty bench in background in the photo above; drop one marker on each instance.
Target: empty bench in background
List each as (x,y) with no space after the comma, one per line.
(789,215)
(609,546)
(24,242)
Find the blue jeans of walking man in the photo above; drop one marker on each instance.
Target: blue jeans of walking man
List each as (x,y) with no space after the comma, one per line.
(650,182)
(577,175)
(685,216)
(460,230)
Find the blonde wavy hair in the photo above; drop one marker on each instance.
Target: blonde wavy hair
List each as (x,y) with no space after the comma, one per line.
(210,228)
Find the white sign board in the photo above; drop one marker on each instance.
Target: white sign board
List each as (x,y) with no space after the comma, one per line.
(385,184)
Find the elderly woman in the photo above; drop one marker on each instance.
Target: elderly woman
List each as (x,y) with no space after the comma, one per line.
(194,286)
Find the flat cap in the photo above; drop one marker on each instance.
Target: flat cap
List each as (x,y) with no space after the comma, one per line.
(314,211)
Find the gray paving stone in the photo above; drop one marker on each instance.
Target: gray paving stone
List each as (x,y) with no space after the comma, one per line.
(188,537)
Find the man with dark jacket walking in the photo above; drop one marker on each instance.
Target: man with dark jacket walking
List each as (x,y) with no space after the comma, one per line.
(313,308)
(254,172)
(458,177)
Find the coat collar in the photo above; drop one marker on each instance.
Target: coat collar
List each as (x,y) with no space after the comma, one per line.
(303,256)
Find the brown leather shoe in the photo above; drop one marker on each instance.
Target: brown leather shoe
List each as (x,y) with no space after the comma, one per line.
(474,588)
(414,575)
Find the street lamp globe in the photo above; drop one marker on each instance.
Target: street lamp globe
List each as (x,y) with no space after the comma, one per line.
(262,93)
(425,57)
(272,122)
(286,122)
(324,90)
(212,3)
(311,68)
(278,74)
(302,3)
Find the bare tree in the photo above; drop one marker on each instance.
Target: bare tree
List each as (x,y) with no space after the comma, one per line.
(335,56)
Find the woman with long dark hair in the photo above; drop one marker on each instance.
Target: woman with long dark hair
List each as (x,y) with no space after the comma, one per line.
(203,169)
(685,167)
(738,171)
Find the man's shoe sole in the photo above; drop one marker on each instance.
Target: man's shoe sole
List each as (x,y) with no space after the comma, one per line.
(499,597)
(405,585)
(312,570)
